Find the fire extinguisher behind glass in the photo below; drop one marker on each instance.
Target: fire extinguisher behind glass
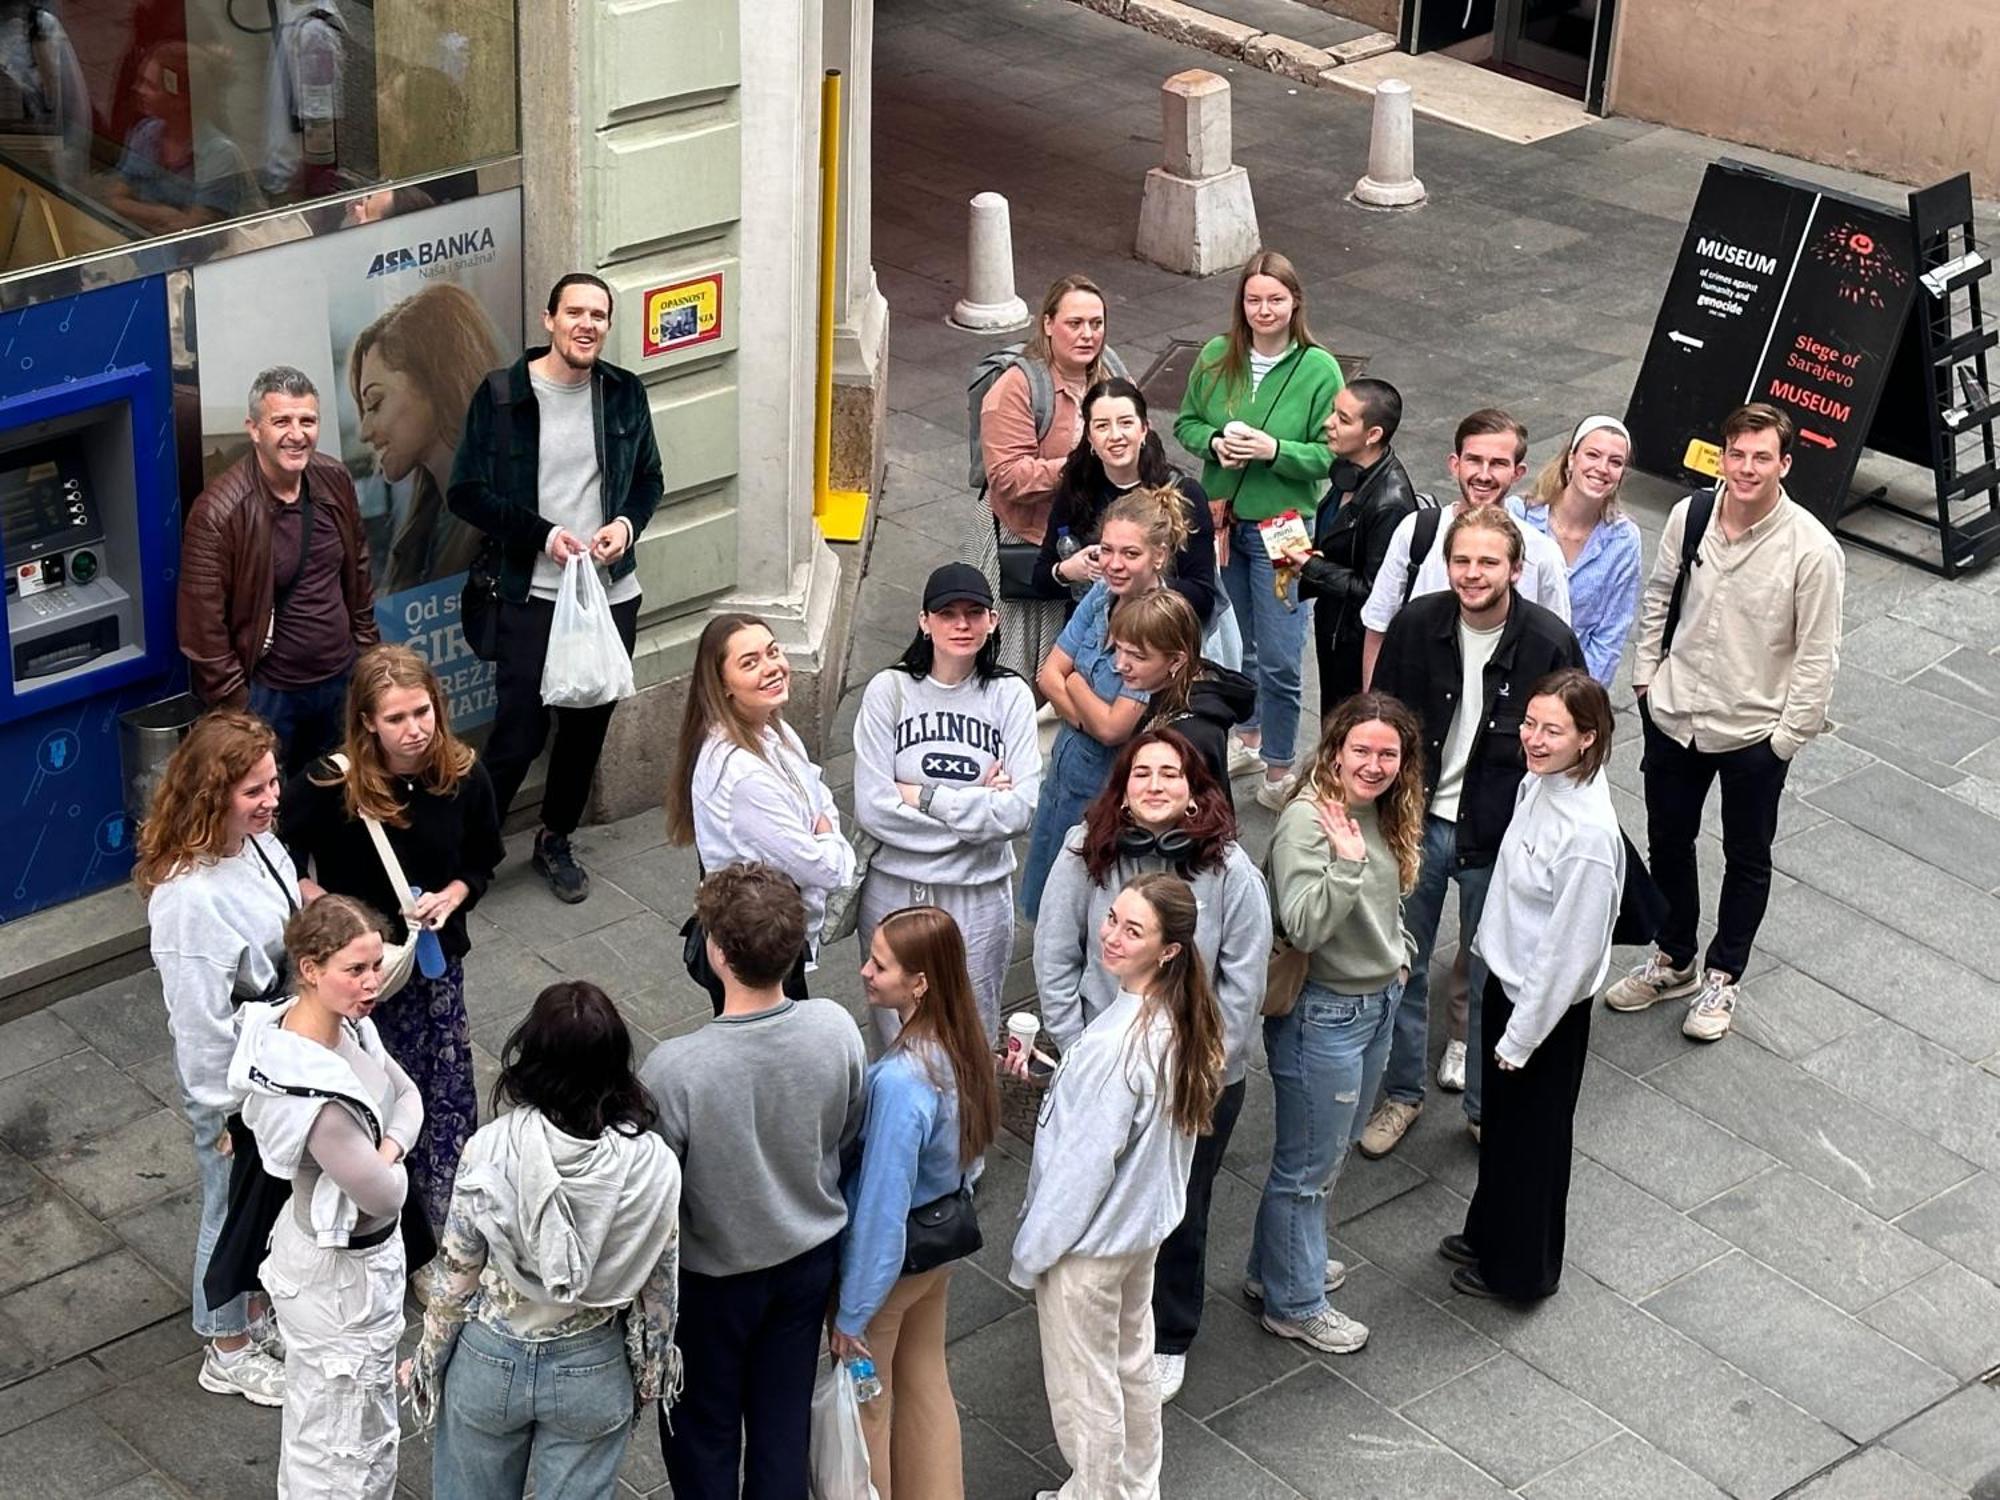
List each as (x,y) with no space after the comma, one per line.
(316,100)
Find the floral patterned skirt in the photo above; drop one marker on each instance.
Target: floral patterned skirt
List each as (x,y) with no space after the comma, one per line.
(425,1029)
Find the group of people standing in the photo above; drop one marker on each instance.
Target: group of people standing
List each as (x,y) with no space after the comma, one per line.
(699,1230)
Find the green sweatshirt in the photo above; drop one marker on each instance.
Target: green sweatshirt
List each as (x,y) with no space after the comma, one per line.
(1348,915)
(1291,404)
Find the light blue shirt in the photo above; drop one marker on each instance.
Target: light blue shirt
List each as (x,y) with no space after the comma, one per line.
(909,1157)
(1604,584)
(1087,639)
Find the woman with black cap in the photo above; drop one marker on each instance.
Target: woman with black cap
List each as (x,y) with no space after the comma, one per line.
(947,768)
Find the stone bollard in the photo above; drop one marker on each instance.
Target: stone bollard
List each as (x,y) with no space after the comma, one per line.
(989,304)
(1392,151)
(1197,215)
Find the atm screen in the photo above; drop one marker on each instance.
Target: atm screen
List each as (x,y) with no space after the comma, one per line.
(45,503)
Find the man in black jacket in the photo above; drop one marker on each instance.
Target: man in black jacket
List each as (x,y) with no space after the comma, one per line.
(558,460)
(1465,663)
(1370,493)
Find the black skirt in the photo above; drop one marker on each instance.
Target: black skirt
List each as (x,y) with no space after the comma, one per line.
(256,1198)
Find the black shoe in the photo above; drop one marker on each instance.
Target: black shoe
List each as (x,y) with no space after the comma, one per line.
(1457,1249)
(1466,1279)
(567,879)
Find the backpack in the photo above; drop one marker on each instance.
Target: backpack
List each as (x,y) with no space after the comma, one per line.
(1041,397)
(1423,537)
(1701,509)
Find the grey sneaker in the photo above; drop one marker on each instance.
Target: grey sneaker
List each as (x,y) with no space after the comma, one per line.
(1328,1331)
(1336,1278)
(1169,1370)
(1387,1127)
(1709,1017)
(265,1335)
(249,1373)
(1243,761)
(1653,981)
(1451,1068)
(1274,794)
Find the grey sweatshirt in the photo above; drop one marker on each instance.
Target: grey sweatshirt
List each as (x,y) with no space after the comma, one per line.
(218,937)
(1110,1170)
(1545,931)
(757,1109)
(923,732)
(1232,931)
(1349,916)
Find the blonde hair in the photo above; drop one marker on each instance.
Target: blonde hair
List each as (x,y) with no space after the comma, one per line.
(187,821)
(1159,511)
(1232,368)
(318,931)
(1399,810)
(447,760)
(1161,621)
(1554,478)
(1037,346)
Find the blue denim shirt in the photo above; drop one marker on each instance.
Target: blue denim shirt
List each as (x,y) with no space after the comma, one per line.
(909,1157)
(1604,584)
(1087,639)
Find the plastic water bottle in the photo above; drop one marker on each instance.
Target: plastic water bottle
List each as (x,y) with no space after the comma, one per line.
(1066,546)
(867,1384)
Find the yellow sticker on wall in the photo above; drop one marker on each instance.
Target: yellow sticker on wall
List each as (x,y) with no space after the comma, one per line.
(1703,458)
(681,315)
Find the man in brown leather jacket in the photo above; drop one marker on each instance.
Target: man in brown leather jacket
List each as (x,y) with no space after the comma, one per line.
(275,598)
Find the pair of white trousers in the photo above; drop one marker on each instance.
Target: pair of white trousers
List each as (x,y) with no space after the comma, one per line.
(985,917)
(342,1313)
(1096,1315)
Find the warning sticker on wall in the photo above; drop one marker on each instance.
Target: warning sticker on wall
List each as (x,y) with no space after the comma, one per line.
(682,315)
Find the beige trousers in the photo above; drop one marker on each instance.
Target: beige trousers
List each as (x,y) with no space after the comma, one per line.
(1096,1317)
(912,1427)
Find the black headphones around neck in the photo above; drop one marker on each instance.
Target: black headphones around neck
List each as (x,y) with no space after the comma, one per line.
(1174,845)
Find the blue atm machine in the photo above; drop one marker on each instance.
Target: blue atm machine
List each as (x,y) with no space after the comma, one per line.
(90,533)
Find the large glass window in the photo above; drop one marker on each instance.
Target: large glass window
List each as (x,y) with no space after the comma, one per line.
(122,120)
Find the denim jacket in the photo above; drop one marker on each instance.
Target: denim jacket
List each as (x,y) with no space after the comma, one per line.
(495,479)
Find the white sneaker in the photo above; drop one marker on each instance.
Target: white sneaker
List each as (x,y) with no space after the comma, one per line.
(1709,1017)
(1451,1068)
(264,1333)
(1327,1330)
(1243,760)
(1275,794)
(1336,1277)
(1653,981)
(249,1373)
(1169,1370)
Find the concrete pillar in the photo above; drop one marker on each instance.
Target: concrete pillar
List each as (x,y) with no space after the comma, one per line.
(861,312)
(990,304)
(1197,215)
(1391,180)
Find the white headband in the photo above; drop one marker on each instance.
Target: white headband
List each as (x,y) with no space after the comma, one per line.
(1598,424)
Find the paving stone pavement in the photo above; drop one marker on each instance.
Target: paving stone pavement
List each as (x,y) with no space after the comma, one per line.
(1784,1249)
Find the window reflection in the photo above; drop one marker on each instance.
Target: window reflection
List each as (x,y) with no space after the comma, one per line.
(121,120)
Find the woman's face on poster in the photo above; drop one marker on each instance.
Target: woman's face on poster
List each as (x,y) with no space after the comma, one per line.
(396,418)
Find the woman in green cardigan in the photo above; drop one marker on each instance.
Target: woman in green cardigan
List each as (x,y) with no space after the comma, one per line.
(1255,411)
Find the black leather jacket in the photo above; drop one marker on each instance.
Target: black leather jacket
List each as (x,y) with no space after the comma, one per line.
(1351,541)
(1420,664)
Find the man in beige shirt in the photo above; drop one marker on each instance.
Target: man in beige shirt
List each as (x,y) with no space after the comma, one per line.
(1731,685)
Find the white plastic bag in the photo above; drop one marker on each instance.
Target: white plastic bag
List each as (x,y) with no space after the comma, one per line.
(839,1455)
(586,666)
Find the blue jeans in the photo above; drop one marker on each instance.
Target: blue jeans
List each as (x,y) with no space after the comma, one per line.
(1274,641)
(233,1317)
(1422,909)
(560,1409)
(1326,1060)
(308,721)
(1076,772)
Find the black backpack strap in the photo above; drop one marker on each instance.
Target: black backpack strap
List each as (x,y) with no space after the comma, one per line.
(1423,537)
(1701,509)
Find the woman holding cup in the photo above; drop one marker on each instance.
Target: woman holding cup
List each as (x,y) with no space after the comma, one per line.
(405,779)
(1163,811)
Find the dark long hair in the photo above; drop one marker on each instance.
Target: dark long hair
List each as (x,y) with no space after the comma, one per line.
(927,941)
(1083,478)
(1190,1074)
(571,1059)
(919,655)
(1209,821)
(708,707)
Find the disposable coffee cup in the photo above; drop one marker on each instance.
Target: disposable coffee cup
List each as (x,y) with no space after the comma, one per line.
(1236,429)
(1022,1029)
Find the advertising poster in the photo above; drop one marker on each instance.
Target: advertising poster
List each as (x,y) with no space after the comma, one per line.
(1782,294)
(396,322)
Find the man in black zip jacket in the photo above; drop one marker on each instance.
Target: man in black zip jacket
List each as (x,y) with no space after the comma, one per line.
(1371,492)
(558,460)
(1465,663)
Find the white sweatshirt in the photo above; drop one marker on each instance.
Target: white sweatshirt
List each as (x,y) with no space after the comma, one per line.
(1545,931)
(923,732)
(218,938)
(762,808)
(1111,1167)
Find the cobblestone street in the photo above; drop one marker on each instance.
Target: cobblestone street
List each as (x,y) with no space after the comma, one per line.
(1784,1257)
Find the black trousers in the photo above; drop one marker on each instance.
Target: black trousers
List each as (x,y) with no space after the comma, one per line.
(1339,662)
(1180,1272)
(1520,1209)
(1677,781)
(521,720)
(749,1349)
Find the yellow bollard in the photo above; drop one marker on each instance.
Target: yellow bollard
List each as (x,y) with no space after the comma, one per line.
(842,514)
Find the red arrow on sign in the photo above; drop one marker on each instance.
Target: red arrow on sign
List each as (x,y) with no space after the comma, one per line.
(1817,437)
